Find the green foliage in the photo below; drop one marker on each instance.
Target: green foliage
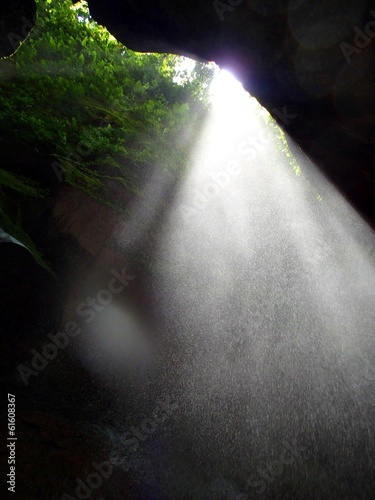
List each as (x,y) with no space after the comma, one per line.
(10,212)
(287,152)
(75,95)
(72,77)
(20,184)
(285,149)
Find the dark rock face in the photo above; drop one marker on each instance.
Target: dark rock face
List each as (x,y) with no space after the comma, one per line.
(17,17)
(311,64)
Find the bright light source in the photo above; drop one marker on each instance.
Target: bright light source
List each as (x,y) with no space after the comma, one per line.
(233,113)
(228,94)
(234,110)
(226,89)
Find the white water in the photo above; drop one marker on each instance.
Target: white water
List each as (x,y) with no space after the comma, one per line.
(267,290)
(264,318)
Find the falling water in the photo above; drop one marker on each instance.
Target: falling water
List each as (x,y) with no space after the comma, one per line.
(263,301)
(266,289)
